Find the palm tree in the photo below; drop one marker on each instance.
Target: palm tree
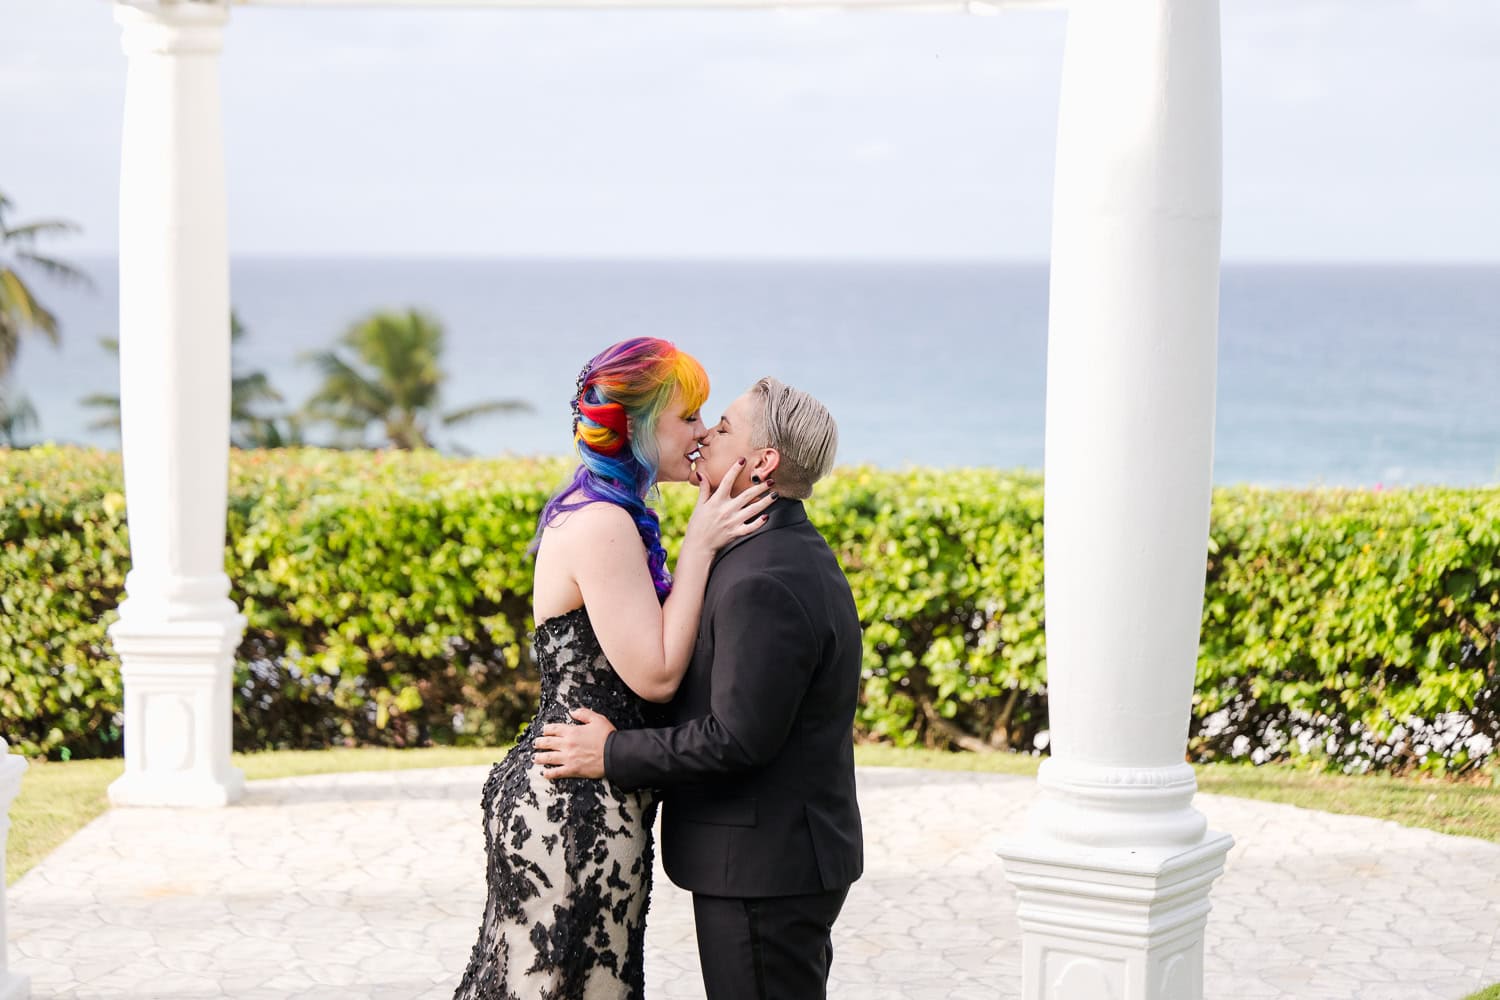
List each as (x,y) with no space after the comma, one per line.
(393,380)
(20,312)
(16,415)
(247,428)
(107,405)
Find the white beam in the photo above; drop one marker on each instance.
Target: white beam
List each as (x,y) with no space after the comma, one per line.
(178,630)
(960,6)
(1113,876)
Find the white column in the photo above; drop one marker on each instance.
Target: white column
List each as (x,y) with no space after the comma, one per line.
(178,630)
(1114,872)
(13,985)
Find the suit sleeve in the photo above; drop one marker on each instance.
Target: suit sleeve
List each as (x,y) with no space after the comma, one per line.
(764,657)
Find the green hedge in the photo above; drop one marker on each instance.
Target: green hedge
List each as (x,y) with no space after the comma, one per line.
(388,599)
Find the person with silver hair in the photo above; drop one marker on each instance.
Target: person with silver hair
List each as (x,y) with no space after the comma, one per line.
(760,820)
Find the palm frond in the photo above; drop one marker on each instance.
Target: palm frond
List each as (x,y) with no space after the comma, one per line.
(401,349)
(16,298)
(16,415)
(494,406)
(109,419)
(345,387)
(20,312)
(254,387)
(46,227)
(56,269)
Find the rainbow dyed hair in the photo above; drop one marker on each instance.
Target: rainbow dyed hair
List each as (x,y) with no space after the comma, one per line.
(622,394)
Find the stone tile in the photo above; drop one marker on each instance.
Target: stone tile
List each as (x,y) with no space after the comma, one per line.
(1398,991)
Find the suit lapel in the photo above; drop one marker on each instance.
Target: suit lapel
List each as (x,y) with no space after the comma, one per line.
(782,514)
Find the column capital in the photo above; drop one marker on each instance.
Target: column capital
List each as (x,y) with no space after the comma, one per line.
(172,27)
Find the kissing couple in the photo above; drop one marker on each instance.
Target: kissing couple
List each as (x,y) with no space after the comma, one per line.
(723,690)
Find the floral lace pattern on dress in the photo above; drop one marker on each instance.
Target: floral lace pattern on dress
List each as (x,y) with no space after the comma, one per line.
(568,862)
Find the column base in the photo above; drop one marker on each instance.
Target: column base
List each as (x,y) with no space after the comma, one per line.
(178,711)
(177,789)
(1111,805)
(1112,923)
(12,767)
(14,987)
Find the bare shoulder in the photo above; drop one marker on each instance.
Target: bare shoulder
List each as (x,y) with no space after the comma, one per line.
(598,523)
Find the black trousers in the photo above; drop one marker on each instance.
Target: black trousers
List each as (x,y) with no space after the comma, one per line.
(776,948)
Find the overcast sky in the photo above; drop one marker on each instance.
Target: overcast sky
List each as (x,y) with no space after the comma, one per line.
(1354,129)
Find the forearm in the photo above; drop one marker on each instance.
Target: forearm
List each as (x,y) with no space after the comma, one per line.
(662,758)
(682,610)
(763,662)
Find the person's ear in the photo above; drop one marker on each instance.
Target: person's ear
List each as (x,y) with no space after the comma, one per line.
(766,465)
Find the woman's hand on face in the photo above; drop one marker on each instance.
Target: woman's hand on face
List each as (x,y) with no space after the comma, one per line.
(720,518)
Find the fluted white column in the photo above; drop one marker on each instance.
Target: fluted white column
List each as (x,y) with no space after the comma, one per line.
(178,630)
(1114,873)
(13,985)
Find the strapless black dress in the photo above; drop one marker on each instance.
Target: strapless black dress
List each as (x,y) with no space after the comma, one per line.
(568,861)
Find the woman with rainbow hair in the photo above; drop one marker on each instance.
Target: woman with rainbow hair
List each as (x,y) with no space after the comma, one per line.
(569,862)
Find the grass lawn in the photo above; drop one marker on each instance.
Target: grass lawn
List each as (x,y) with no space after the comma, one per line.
(1462,809)
(1458,808)
(1489,993)
(58,798)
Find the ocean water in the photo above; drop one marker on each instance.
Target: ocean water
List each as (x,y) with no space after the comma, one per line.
(1327,374)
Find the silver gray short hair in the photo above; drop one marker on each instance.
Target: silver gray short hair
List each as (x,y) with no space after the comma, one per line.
(801,429)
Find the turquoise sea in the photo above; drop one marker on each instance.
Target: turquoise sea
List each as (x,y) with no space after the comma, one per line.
(1327,374)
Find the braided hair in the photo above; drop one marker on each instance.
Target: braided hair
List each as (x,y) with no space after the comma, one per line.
(620,396)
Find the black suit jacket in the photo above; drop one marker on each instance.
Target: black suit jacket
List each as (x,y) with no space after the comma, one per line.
(759,768)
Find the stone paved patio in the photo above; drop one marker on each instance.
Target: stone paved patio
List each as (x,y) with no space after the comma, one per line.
(370,886)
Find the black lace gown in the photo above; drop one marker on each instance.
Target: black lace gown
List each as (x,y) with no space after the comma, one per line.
(568,861)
